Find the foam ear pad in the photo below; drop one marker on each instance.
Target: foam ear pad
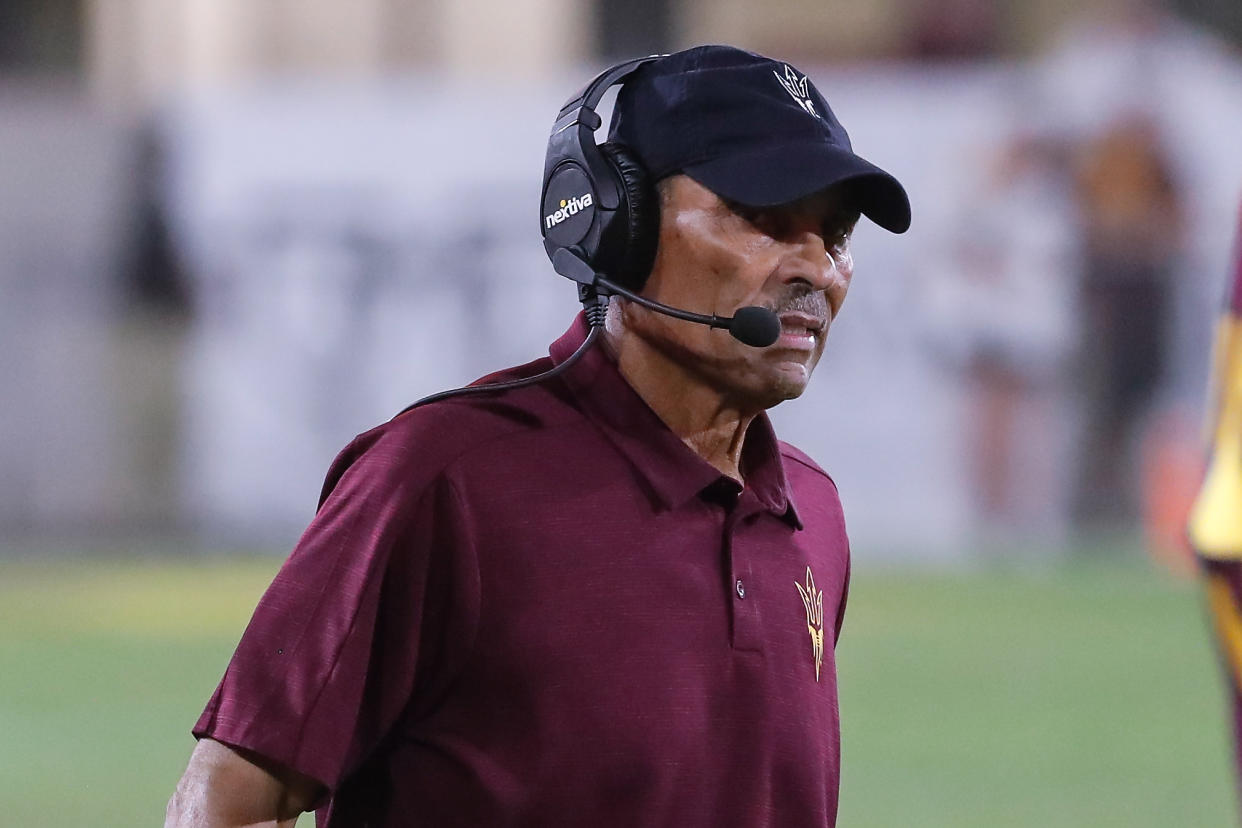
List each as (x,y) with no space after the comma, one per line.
(628,246)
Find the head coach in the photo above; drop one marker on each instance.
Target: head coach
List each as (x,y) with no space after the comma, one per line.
(596,589)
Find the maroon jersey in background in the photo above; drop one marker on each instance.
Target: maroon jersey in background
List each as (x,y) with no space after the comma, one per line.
(1214,527)
(542,608)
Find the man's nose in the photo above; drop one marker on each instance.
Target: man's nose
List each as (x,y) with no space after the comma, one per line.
(815,266)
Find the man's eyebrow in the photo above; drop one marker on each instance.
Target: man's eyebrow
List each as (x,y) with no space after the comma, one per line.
(738,207)
(838,215)
(845,217)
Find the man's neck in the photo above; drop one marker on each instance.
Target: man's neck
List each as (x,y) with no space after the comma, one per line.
(700,415)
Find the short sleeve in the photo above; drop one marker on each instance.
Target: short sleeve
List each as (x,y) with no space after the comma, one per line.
(370,614)
(845,595)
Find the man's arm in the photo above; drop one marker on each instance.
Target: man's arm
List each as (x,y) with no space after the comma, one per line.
(224,787)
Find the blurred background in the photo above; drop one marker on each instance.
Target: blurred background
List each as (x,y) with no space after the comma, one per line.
(236,233)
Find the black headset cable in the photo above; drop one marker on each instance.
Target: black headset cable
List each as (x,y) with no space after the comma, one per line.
(596,307)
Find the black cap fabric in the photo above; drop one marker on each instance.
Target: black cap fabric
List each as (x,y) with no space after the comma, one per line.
(750,129)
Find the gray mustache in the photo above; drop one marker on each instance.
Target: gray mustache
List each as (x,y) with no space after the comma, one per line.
(803,300)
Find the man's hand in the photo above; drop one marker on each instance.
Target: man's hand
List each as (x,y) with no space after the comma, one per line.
(224,787)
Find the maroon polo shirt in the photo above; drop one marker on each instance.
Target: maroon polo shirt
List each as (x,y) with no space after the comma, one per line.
(542,608)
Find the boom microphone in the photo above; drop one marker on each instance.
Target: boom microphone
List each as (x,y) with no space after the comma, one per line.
(755,326)
(751,325)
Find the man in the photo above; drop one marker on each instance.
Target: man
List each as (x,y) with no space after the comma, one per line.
(1130,210)
(1216,521)
(607,599)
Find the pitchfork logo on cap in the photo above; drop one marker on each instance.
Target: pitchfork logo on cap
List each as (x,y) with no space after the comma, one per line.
(796,87)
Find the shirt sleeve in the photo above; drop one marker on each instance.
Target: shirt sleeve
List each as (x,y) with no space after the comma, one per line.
(370,614)
(845,594)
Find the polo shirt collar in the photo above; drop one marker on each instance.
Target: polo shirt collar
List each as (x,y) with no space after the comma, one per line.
(672,469)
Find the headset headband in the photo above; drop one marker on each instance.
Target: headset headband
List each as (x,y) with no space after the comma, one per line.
(590,95)
(579,112)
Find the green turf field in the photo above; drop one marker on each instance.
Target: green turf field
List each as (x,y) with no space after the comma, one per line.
(1082,696)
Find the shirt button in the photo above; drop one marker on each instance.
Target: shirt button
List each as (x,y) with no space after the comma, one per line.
(740,588)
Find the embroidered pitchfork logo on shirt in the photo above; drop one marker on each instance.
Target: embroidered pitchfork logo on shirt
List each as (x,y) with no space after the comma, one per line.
(813,601)
(796,87)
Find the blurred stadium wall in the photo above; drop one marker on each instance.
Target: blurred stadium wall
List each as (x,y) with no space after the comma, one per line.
(234,234)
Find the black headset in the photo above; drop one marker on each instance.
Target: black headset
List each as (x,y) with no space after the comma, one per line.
(599,210)
(600,221)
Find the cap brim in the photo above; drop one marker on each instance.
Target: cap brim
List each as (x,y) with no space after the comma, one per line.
(779,175)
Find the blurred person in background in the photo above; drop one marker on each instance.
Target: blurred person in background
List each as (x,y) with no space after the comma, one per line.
(1131,214)
(611,599)
(1000,300)
(948,30)
(1216,520)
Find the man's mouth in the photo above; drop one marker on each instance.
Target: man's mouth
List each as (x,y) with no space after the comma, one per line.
(799,330)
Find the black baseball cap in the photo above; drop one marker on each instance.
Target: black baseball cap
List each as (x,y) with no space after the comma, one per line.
(749,128)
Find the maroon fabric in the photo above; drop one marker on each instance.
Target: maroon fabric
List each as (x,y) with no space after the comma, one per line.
(1230,572)
(542,608)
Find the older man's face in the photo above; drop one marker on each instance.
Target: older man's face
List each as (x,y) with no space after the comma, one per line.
(714,257)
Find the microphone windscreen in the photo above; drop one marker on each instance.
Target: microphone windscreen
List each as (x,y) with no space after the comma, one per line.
(755,326)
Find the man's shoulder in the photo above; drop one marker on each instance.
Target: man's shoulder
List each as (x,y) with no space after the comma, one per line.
(420,444)
(801,460)
(460,425)
(814,493)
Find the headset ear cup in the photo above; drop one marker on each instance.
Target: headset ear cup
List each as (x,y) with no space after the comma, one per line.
(628,247)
